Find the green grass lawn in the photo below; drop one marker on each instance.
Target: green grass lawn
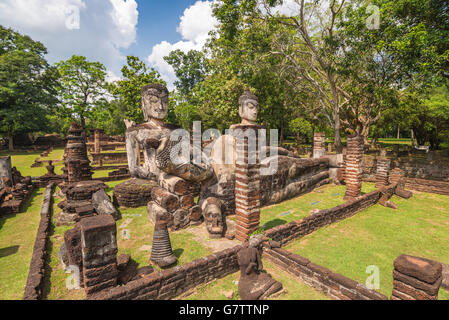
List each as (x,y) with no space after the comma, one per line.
(134,237)
(294,289)
(17,236)
(377,236)
(325,197)
(23,161)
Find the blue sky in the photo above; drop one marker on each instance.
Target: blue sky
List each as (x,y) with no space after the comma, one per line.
(158,21)
(109,30)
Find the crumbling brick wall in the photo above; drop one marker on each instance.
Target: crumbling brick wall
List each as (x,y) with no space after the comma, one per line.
(293,230)
(34,285)
(176,281)
(334,285)
(416,278)
(429,186)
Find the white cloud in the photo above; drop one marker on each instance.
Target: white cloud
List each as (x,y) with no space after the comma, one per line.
(194,27)
(288,7)
(105,27)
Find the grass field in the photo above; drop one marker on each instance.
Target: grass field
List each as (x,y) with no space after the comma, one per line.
(23,161)
(325,197)
(377,236)
(134,237)
(293,289)
(17,236)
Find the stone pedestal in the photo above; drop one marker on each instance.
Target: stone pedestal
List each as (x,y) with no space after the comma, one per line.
(416,279)
(97,141)
(247,181)
(77,164)
(134,193)
(396,175)
(99,250)
(354,169)
(382,172)
(5,169)
(319,145)
(161,250)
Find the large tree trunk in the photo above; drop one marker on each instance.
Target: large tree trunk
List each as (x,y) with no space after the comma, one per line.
(11,142)
(365,134)
(337,136)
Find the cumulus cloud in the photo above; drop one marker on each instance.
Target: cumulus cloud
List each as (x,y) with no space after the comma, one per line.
(195,24)
(100,35)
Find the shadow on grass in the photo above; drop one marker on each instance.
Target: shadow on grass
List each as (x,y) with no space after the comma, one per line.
(178,252)
(8,251)
(274,223)
(24,209)
(46,284)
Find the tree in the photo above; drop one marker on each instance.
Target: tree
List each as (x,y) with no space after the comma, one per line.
(306,58)
(135,75)
(27,84)
(82,85)
(190,68)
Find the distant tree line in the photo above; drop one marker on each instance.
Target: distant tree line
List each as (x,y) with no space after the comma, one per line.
(322,69)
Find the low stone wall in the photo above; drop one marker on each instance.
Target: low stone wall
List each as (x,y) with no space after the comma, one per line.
(293,230)
(293,177)
(416,278)
(334,285)
(33,288)
(432,166)
(429,186)
(176,281)
(110,158)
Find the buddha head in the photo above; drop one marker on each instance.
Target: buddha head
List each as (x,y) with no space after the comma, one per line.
(214,218)
(154,102)
(248,108)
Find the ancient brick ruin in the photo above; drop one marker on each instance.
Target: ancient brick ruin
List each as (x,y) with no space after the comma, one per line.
(15,190)
(416,279)
(319,145)
(353,168)
(77,164)
(247,183)
(79,188)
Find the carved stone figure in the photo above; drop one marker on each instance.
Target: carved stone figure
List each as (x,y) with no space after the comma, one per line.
(214,217)
(253,283)
(147,136)
(248,108)
(161,250)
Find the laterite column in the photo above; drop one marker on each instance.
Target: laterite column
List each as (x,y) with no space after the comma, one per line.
(354,170)
(99,249)
(247,184)
(319,145)
(383,172)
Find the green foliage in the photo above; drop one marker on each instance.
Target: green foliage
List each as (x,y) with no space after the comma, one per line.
(190,69)
(135,75)
(302,129)
(27,84)
(82,86)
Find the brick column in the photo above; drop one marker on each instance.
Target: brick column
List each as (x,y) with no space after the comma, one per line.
(319,145)
(383,172)
(99,249)
(5,169)
(416,279)
(396,175)
(247,182)
(354,170)
(97,142)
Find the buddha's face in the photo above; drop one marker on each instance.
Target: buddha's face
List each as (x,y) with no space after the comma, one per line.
(154,105)
(248,110)
(214,221)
